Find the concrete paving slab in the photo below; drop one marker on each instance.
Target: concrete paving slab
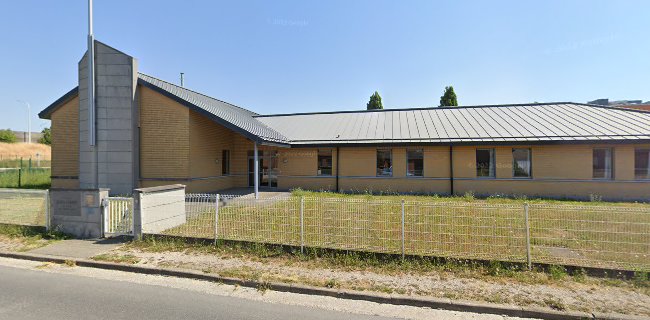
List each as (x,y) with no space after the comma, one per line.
(79,249)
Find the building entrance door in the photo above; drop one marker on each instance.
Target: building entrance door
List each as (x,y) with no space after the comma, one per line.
(268,169)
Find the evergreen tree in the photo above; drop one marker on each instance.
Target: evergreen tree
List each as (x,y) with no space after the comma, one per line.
(375,102)
(47,137)
(449,99)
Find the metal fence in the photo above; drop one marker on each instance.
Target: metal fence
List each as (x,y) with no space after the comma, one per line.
(590,236)
(24,207)
(118,216)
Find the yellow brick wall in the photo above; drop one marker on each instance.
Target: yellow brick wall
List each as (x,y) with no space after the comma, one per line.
(183,146)
(65,144)
(164,136)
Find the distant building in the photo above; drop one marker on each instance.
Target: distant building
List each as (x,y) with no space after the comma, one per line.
(627,104)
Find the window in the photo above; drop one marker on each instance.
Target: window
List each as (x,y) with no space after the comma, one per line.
(225,162)
(384,162)
(521,163)
(325,162)
(602,163)
(642,163)
(485,163)
(414,162)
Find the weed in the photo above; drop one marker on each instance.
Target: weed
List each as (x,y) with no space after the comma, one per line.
(579,275)
(332,283)
(557,272)
(127,258)
(70,263)
(641,279)
(494,268)
(263,286)
(555,304)
(469,196)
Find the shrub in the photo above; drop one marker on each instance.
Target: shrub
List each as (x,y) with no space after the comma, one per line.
(47,137)
(7,136)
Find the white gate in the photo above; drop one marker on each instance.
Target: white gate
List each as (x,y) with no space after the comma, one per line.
(118,217)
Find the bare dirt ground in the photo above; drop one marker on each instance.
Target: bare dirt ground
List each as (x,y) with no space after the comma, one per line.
(524,289)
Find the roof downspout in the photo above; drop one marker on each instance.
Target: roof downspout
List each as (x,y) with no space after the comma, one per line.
(451,170)
(337,169)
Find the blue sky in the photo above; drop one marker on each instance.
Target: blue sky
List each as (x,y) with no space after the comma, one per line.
(300,56)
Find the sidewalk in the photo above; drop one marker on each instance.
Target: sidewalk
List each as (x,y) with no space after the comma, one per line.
(79,249)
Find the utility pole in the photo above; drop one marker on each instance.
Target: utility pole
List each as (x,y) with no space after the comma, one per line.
(29,121)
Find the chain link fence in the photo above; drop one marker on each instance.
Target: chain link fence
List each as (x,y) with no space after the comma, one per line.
(615,237)
(24,207)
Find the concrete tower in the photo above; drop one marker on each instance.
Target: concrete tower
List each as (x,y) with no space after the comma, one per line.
(111,161)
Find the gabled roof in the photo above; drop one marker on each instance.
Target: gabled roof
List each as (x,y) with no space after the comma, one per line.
(233,117)
(560,122)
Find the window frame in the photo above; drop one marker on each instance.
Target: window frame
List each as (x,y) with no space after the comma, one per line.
(611,160)
(492,171)
(390,155)
(318,163)
(647,175)
(421,150)
(225,162)
(530,164)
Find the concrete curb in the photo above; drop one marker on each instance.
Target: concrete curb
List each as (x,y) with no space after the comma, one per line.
(434,303)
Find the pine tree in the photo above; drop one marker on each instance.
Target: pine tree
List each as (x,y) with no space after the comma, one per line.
(375,102)
(449,99)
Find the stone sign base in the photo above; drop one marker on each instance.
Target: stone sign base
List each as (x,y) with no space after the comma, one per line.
(78,212)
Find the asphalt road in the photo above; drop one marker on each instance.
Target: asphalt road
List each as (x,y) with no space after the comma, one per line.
(35,290)
(31,294)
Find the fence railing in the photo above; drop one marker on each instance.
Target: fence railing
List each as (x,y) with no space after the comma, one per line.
(24,207)
(118,216)
(589,236)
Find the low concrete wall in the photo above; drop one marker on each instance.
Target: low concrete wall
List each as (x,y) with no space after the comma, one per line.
(157,209)
(77,212)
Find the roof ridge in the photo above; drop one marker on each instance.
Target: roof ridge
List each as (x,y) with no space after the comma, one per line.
(202,94)
(425,108)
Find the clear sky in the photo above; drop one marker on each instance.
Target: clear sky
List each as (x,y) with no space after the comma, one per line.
(300,56)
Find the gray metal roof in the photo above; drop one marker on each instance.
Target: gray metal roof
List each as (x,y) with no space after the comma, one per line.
(229,115)
(562,122)
(525,123)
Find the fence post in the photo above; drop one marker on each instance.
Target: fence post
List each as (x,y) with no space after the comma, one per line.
(302,224)
(403,248)
(528,254)
(47,210)
(106,227)
(20,173)
(216,219)
(137,214)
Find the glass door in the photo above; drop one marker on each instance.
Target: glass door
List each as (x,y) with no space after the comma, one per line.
(268,169)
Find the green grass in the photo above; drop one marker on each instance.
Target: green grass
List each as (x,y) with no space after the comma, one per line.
(29,179)
(16,163)
(22,208)
(588,234)
(30,237)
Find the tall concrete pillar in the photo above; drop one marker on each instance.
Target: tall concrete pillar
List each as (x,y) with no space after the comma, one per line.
(111,163)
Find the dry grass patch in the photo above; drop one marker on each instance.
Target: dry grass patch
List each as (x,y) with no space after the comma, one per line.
(11,151)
